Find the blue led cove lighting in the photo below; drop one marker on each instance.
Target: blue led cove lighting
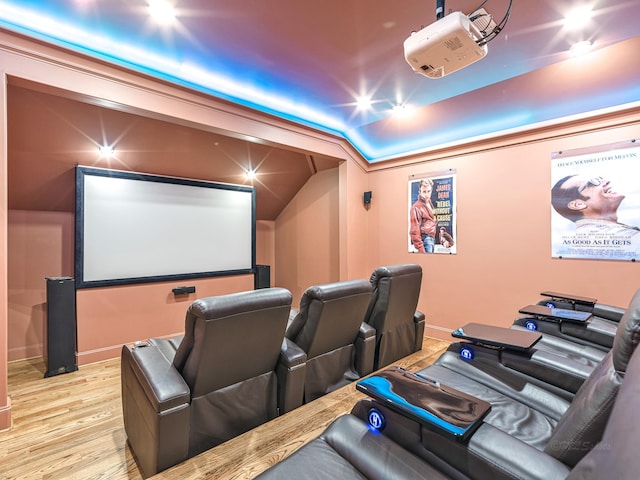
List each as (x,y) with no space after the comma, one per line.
(175,55)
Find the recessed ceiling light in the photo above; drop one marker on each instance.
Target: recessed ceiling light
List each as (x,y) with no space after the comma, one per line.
(106,151)
(402,110)
(580,48)
(250,173)
(577,18)
(162,11)
(363,103)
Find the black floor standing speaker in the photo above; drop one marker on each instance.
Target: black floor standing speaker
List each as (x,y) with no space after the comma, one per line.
(61,326)
(262,277)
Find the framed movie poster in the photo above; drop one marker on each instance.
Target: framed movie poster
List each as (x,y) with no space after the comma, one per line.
(595,202)
(432,213)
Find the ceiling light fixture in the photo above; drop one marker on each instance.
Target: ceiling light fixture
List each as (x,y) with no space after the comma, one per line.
(363,103)
(577,18)
(162,11)
(106,151)
(250,173)
(402,110)
(580,48)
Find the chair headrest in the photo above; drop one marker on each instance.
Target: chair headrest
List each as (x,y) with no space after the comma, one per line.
(394,271)
(331,291)
(330,316)
(325,293)
(231,304)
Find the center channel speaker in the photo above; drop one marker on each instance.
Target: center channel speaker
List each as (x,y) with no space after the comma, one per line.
(61,326)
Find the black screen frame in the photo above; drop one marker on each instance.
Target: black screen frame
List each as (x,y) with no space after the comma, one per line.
(79,257)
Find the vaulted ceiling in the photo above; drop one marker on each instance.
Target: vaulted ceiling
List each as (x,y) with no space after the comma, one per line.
(309,61)
(49,134)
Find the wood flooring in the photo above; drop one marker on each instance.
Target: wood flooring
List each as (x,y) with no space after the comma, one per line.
(70,427)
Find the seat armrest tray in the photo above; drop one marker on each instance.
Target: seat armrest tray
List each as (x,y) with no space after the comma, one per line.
(426,401)
(576,299)
(500,337)
(556,314)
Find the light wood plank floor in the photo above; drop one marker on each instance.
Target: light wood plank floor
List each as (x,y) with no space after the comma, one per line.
(70,427)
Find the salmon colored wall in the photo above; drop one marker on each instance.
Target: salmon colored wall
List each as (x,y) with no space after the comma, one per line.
(503,236)
(41,245)
(321,235)
(354,222)
(5,401)
(307,236)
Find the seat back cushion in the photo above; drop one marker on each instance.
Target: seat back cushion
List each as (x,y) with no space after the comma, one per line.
(231,338)
(396,290)
(582,425)
(331,316)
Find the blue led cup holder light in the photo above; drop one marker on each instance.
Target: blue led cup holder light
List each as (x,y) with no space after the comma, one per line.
(466,353)
(376,419)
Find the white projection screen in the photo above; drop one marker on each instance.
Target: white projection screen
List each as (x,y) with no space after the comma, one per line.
(133,228)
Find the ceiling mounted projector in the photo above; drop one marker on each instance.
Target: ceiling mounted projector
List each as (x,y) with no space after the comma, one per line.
(449,44)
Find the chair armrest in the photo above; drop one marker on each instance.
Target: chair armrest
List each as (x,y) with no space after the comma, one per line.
(366,331)
(419,321)
(155,407)
(291,355)
(291,370)
(435,405)
(365,349)
(163,386)
(608,311)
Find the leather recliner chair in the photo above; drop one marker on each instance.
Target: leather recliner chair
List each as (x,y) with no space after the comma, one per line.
(537,416)
(231,371)
(329,328)
(392,312)
(349,449)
